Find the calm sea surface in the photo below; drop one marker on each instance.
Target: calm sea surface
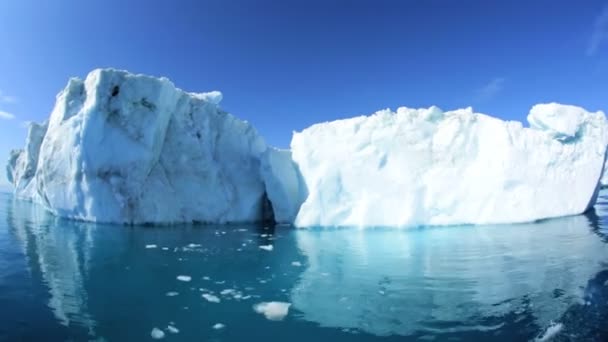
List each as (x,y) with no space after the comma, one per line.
(63,280)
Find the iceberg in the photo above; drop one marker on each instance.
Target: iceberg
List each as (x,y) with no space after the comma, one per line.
(134,149)
(417,167)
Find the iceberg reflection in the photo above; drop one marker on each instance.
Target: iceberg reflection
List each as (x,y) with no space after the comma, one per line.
(448,279)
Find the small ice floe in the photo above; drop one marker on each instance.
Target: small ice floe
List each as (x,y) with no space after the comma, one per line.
(263,235)
(194,245)
(206,278)
(172,329)
(227,292)
(220,282)
(296,263)
(552,330)
(165,248)
(274,311)
(157,334)
(267,247)
(218,326)
(172,294)
(241,230)
(151,246)
(184,278)
(210,298)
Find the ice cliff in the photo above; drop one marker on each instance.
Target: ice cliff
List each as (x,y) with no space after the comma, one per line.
(134,149)
(429,167)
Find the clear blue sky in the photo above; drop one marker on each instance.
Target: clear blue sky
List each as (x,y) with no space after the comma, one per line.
(284,65)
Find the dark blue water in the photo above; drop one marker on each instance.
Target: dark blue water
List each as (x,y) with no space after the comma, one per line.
(62,280)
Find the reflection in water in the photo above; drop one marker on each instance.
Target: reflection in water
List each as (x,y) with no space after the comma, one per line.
(446,279)
(59,257)
(469,283)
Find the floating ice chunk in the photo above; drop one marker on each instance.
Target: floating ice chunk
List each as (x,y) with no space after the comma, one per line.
(184,278)
(157,334)
(210,298)
(172,329)
(165,248)
(206,278)
(151,246)
(296,263)
(274,311)
(172,294)
(194,245)
(267,247)
(227,292)
(218,326)
(552,330)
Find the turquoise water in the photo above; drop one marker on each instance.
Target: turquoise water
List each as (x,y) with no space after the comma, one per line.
(63,280)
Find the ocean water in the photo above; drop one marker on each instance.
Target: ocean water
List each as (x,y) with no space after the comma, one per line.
(63,280)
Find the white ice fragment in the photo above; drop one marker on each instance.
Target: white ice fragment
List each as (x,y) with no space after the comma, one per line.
(267,247)
(157,334)
(184,278)
(206,278)
(296,263)
(151,246)
(165,248)
(172,329)
(227,292)
(274,311)
(210,298)
(172,294)
(218,326)
(552,330)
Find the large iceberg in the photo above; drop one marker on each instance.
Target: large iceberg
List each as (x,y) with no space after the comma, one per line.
(428,167)
(133,149)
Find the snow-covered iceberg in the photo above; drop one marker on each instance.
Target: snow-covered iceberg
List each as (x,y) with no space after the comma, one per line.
(429,167)
(132,149)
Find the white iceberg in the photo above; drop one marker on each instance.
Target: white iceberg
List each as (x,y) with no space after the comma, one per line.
(132,149)
(429,167)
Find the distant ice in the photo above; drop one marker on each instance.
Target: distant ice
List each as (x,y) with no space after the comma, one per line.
(210,298)
(172,329)
(172,294)
(218,326)
(184,278)
(296,263)
(157,334)
(150,246)
(274,311)
(267,247)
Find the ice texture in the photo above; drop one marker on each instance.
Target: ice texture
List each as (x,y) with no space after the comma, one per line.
(133,149)
(274,311)
(418,167)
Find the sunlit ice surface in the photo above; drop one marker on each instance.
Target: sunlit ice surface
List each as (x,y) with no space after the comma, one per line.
(62,279)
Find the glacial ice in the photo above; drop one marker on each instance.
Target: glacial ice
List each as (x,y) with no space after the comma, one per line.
(127,148)
(428,167)
(133,149)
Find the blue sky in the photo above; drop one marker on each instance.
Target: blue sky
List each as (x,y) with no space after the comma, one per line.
(284,65)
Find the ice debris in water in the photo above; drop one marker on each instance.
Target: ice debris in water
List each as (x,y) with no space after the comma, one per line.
(172,329)
(274,311)
(151,246)
(210,298)
(267,247)
(184,278)
(218,326)
(172,294)
(552,330)
(157,334)
(296,263)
